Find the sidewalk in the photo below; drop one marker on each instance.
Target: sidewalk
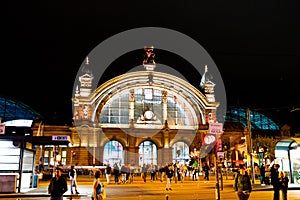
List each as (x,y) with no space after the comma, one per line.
(84,187)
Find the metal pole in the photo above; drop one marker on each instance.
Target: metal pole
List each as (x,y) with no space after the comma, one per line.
(217,175)
(94,148)
(290,166)
(71,159)
(251,147)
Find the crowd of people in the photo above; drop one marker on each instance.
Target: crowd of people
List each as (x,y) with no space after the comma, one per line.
(171,172)
(278,179)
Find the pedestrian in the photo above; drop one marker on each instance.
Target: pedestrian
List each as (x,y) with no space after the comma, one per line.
(144,172)
(275,180)
(194,173)
(58,186)
(284,181)
(108,173)
(262,171)
(73,179)
(206,169)
(169,175)
(242,184)
(98,191)
(152,173)
(116,173)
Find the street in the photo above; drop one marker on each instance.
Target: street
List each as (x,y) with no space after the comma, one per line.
(139,190)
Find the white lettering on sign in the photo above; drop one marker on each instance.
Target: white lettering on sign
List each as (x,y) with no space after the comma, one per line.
(215,128)
(60,137)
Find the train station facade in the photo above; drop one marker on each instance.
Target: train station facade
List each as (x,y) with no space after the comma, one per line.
(137,118)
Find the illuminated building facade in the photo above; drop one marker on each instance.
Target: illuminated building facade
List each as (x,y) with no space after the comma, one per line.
(142,117)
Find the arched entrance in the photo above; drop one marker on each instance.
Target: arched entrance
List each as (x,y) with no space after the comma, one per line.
(147,153)
(113,153)
(180,152)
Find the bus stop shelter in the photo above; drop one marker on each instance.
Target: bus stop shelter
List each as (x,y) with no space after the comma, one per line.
(287,154)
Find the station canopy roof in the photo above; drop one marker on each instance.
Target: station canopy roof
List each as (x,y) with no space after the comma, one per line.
(287,144)
(12,110)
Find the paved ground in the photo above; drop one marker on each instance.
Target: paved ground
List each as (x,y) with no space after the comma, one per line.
(155,190)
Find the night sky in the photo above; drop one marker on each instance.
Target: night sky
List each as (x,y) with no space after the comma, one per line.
(255,45)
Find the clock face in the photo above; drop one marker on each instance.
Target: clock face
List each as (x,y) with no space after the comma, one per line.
(208,139)
(148,114)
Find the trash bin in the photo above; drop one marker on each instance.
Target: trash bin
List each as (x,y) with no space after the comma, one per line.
(35,181)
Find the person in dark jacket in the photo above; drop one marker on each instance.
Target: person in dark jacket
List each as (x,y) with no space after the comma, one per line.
(116,173)
(206,169)
(262,171)
(58,186)
(275,180)
(242,184)
(169,175)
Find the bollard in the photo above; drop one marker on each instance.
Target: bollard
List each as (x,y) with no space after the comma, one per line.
(167,197)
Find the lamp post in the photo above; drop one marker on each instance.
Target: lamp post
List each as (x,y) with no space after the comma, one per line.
(94,146)
(251,145)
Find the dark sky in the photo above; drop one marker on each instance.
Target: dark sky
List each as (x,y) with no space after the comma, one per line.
(255,45)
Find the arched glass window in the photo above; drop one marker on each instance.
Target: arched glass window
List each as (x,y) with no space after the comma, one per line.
(180,152)
(113,153)
(147,153)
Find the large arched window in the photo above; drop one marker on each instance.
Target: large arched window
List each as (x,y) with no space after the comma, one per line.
(180,152)
(113,153)
(147,153)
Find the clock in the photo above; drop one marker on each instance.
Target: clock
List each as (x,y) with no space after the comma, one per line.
(148,115)
(208,139)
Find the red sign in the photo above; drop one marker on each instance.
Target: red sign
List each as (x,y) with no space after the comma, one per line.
(2,128)
(215,128)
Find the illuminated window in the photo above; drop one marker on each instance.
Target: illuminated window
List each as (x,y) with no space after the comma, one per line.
(113,153)
(180,152)
(147,153)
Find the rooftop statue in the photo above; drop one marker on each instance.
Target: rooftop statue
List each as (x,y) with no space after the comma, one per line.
(149,55)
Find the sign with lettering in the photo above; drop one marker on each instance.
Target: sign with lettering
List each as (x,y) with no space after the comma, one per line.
(215,128)
(60,137)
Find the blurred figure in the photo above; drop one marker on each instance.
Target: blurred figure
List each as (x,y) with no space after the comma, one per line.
(169,175)
(262,172)
(108,173)
(116,173)
(275,180)
(242,184)
(206,169)
(98,188)
(284,182)
(73,181)
(58,186)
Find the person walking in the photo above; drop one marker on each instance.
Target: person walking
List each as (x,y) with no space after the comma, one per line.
(144,172)
(262,171)
(242,184)
(58,186)
(116,173)
(98,192)
(73,181)
(275,180)
(206,169)
(108,173)
(169,175)
(284,181)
